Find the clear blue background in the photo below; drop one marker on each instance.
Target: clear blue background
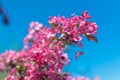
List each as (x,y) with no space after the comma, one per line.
(102,59)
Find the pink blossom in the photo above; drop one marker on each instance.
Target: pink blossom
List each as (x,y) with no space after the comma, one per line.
(42,57)
(78,54)
(85,14)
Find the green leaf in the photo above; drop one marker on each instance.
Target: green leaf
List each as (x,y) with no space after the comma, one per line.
(19,67)
(77,25)
(91,37)
(54,25)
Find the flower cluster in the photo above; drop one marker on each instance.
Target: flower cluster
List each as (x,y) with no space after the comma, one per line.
(9,59)
(42,57)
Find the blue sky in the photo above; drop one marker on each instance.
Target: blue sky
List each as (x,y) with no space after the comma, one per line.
(102,59)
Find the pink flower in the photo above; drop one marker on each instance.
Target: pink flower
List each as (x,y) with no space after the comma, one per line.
(42,56)
(64,59)
(53,20)
(85,14)
(78,54)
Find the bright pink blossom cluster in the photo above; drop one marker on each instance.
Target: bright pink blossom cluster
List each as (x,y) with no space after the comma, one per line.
(42,57)
(9,59)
